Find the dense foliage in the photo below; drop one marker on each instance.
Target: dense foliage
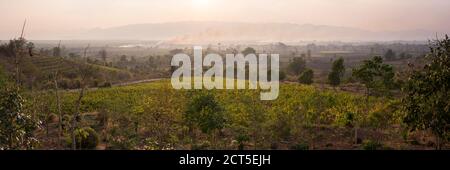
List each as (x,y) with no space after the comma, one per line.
(306,77)
(297,66)
(204,112)
(337,72)
(427,99)
(377,77)
(16,126)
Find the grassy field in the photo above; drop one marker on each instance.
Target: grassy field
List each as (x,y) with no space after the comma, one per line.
(153,116)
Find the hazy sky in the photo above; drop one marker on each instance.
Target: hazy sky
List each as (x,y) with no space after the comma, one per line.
(62,16)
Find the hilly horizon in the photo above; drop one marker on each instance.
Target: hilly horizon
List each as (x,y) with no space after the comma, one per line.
(190,32)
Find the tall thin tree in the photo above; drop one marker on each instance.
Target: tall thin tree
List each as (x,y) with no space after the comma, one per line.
(84,71)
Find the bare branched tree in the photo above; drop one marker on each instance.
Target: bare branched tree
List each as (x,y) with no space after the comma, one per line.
(18,45)
(85,71)
(58,104)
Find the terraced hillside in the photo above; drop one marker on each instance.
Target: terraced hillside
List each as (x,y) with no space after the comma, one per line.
(37,72)
(53,64)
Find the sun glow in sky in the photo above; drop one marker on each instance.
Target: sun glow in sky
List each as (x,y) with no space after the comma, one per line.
(61,16)
(201,3)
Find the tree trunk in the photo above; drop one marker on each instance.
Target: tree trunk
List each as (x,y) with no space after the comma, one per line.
(438,142)
(136,128)
(193,134)
(10,134)
(10,141)
(46,127)
(75,121)
(367,94)
(78,105)
(59,109)
(17,67)
(106,137)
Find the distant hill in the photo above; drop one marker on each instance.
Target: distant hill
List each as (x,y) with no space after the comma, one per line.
(212,32)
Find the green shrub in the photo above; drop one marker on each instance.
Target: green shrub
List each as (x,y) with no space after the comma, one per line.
(102,119)
(241,139)
(300,146)
(306,77)
(205,112)
(348,119)
(52,118)
(123,143)
(371,145)
(85,138)
(282,75)
(201,145)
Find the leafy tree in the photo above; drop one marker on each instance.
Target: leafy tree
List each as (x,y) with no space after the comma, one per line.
(123,58)
(337,72)
(376,76)
(175,51)
(404,55)
(86,73)
(297,66)
(133,60)
(3,78)
(56,51)
(103,54)
(390,55)
(307,77)
(248,50)
(14,47)
(428,93)
(30,47)
(16,127)
(282,75)
(85,138)
(204,111)
(152,63)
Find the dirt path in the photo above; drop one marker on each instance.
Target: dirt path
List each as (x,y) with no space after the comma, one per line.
(121,84)
(136,82)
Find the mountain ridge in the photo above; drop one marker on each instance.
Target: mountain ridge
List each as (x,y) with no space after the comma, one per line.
(216,31)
